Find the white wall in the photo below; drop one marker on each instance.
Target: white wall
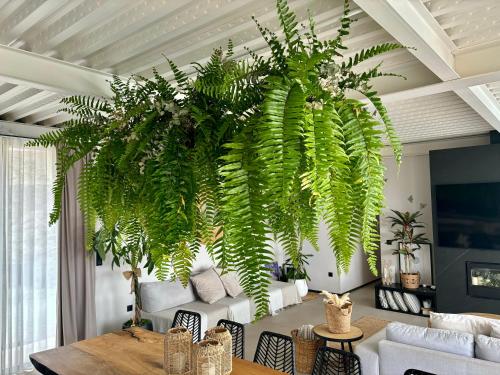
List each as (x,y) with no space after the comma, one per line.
(413,178)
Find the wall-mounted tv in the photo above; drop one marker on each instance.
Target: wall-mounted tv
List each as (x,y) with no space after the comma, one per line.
(468,215)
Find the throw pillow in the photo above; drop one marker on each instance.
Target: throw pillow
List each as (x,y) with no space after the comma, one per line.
(231,284)
(495,332)
(383,300)
(488,348)
(208,286)
(399,300)
(429,338)
(390,299)
(476,325)
(412,302)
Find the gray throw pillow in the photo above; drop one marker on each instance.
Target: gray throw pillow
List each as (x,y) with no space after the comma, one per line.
(459,343)
(208,286)
(162,295)
(231,284)
(488,348)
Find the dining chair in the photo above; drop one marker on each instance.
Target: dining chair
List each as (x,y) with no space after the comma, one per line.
(237,331)
(417,372)
(275,351)
(190,320)
(330,361)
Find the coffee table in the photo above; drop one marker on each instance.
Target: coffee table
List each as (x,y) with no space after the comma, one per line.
(355,334)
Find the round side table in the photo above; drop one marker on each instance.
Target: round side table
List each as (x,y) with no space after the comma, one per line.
(354,334)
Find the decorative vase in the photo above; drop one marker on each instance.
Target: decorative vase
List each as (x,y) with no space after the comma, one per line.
(223,336)
(177,356)
(387,273)
(302,287)
(410,280)
(207,358)
(338,318)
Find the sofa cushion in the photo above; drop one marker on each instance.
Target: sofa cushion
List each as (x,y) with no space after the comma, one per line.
(495,332)
(208,286)
(390,300)
(231,284)
(476,325)
(430,338)
(398,297)
(412,302)
(162,295)
(488,348)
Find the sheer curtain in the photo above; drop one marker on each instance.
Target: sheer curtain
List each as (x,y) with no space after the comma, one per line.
(28,253)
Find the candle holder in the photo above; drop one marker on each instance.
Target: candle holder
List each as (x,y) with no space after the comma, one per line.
(178,351)
(223,336)
(207,358)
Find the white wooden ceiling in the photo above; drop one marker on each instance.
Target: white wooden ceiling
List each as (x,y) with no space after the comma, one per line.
(67,37)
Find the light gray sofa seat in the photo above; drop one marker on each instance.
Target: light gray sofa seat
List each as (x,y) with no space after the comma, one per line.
(380,356)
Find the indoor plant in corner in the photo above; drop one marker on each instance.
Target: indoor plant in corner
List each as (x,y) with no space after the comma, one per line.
(129,250)
(297,273)
(405,225)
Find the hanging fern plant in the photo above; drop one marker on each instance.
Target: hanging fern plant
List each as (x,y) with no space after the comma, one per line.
(245,151)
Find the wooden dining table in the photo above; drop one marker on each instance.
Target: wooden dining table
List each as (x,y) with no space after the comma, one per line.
(127,352)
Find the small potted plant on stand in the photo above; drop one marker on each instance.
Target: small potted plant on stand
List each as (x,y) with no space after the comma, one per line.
(405,225)
(130,251)
(297,273)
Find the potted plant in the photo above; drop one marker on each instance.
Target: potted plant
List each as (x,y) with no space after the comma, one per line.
(338,310)
(296,272)
(404,226)
(131,251)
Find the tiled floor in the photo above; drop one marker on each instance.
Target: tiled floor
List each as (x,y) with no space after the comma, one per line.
(312,312)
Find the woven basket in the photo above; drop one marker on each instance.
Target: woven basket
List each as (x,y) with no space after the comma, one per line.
(338,320)
(223,336)
(305,352)
(207,358)
(178,350)
(410,280)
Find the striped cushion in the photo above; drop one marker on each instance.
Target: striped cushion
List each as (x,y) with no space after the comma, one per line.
(412,302)
(390,299)
(399,300)
(383,300)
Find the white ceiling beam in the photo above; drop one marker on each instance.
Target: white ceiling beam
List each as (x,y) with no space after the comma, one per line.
(478,60)
(51,101)
(18,129)
(413,25)
(26,68)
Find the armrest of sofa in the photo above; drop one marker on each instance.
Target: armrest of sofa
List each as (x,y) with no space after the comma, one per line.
(396,358)
(367,351)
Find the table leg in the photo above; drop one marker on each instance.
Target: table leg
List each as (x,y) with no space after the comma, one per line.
(342,345)
(350,347)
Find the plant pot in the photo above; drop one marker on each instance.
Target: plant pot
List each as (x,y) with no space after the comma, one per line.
(410,280)
(338,319)
(145,323)
(302,287)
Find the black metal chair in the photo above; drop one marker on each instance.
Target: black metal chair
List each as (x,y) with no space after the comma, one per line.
(330,361)
(190,320)
(276,351)
(417,372)
(237,331)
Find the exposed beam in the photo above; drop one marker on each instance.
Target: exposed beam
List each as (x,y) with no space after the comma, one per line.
(17,129)
(23,68)
(437,88)
(413,25)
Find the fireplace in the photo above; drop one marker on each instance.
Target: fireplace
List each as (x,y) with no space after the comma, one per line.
(483,280)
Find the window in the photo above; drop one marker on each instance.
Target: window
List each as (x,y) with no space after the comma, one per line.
(28,253)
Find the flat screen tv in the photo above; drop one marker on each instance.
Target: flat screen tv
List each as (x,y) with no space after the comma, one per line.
(468,216)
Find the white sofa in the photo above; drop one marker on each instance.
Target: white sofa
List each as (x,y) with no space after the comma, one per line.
(380,356)
(161,299)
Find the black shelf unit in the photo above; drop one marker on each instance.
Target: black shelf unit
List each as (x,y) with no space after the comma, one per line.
(421,293)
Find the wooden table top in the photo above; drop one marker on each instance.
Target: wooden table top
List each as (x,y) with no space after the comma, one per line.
(121,353)
(322,331)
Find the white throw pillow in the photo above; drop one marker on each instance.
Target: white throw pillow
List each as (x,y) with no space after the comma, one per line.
(429,338)
(399,301)
(476,325)
(390,299)
(231,283)
(495,331)
(208,286)
(412,302)
(488,348)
